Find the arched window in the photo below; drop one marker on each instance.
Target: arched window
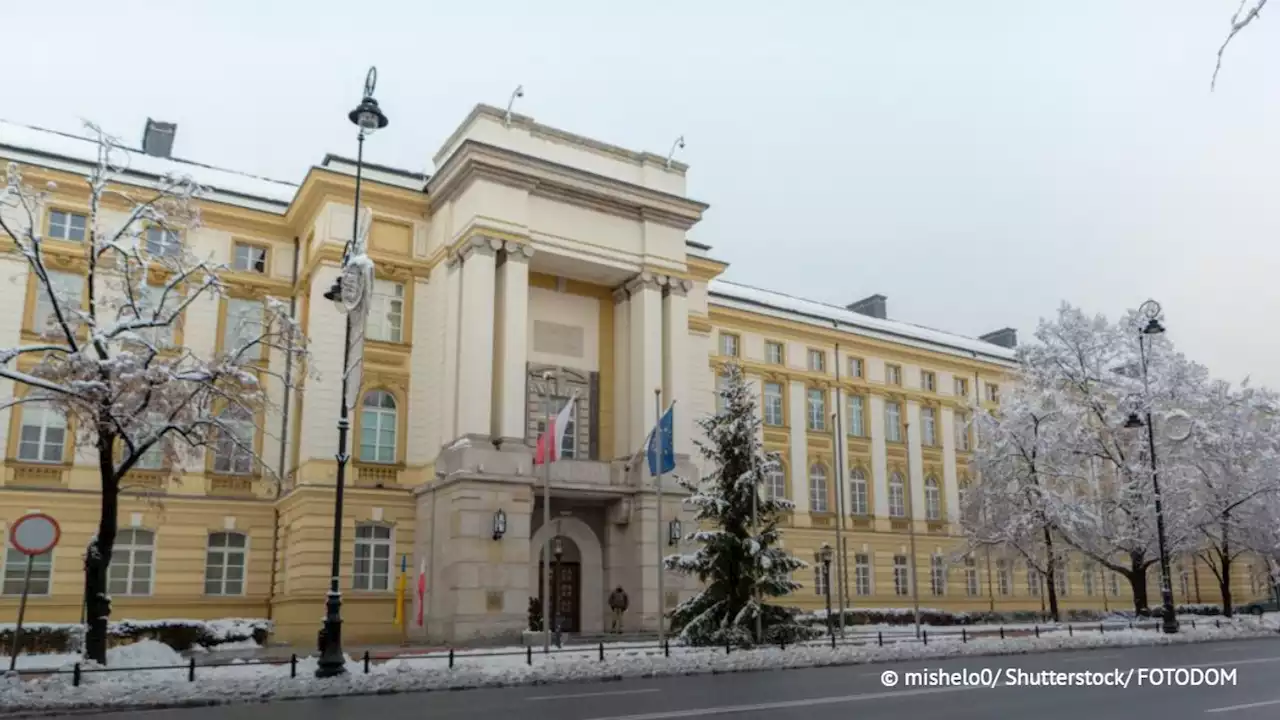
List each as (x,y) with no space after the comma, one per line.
(818,488)
(932,499)
(897,496)
(775,483)
(857,492)
(378,427)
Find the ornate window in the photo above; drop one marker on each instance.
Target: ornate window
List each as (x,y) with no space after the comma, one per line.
(817,419)
(386,312)
(233,442)
(971,576)
(379,421)
(901,582)
(856,409)
(858,492)
(818,487)
(938,575)
(928,427)
(892,422)
(897,496)
(775,483)
(773,405)
(580,437)
(862,574)
(932,499)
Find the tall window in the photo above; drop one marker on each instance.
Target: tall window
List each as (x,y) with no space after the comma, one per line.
(153,458)
(892,422)
(971,576)
(932,499)
(386,312)
(69,288)
(1004,577)
(962,387)
(962,431)
(893,374)
(378,427)
(856,367)
(1113,580)
(858,492)
(43,436)
(67,225)
(243,325)
(774,354)
(1184,583)
(862,574)
(819,580)
(722,386)
(1033,581)
(928,381)
(856,409)
(817,409)
(373,557)
(773,414)
(1063,577)
(162,242)
(897,496)
(224,564)
(928,427)
(901,582)
(249,258)
(993,393)
(817,360)
(818,487)
(132,563)
(569,445)
(155,306)
(233,444)
(1087,573)
(775,484)
(15,570)
(938,575)
(728,344)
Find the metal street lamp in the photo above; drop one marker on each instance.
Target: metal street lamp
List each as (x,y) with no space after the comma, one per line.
(823,556)
(558,552)
(1151,311)
(348,292)
(673,532)
(499,524)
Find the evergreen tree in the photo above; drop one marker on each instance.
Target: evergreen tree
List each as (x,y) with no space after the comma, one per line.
(739,565)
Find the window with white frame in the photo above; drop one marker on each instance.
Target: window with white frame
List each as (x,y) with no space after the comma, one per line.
(897,496)
(43,434)
(1034,581)
(155,305)
(224,563)
(817,417)
(15,573)
(722,387)
(932,499)
(817,360)
(69,287)
(901,579)
(774,352)
(962,431)
(243,325)
(928,381)
(819,580)
(162,242)
(928,427)
(249,258)
(773,405)
(378,425)
(858,492)
(1062,576)
(68,226)
(233,442)
(1004,578)
(857,410)
(856,368)
(893,374)
(1087,573)
(971,576)
(993,393)
(153,458)
(386,312)
(892,422)
(1113,580)
(775,483)
(729,344)
(569,444)
(862,574)
(373,557)
(132,563)
(1184,583)
(962,387)
(818,487)
(938,575)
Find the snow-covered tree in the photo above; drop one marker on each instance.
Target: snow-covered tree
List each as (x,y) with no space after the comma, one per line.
(106,361)
(739,564)
(1233,463)
(1260,532)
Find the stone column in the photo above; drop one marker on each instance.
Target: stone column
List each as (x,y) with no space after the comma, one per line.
(645,368)
(511,349)
(950,480)
(453,313)
(915,453)
(675,360)
(621,375)
(879,457)
(475,337)
(797,394)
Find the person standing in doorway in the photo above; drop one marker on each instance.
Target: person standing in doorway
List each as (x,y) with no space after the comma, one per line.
(618,602)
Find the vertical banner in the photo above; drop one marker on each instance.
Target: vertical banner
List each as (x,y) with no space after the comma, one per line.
(422,590)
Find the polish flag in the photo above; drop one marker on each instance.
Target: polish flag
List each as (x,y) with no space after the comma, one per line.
(550,441)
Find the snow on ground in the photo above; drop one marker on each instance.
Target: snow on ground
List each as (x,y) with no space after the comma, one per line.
(243,682)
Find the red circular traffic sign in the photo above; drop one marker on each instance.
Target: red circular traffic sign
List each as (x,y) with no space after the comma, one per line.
(34,534)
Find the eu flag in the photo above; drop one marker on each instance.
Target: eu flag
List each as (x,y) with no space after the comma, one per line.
(662,449)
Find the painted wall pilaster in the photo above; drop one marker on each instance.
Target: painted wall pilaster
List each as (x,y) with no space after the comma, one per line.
(511,350)
(645,369)
(475,336)
(675,349)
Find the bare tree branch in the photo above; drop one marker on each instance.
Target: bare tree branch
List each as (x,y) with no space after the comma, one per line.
(1237,24)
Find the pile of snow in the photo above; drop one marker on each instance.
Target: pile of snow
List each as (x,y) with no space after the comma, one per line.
(249,682)
(145,653)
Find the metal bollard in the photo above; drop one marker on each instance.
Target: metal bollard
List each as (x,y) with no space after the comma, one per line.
(528,654)
(293,665)
(925,635)
(963,637)
(366,662)
(727,648)
(1037,631)
(1193,624)
(1101,629)
(450,658)
(833,641)
(1071,631)
(1217,623)
(666,648)
(191,670)
(75,676)
(1001,632)
(880,639)
(601,651)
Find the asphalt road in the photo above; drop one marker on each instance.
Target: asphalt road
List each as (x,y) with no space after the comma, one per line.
(838,694)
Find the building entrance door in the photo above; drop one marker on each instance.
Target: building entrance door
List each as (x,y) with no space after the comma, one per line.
(565,600)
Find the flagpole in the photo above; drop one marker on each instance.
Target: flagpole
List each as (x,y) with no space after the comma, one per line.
(911,530)
(548,436)
(658,448)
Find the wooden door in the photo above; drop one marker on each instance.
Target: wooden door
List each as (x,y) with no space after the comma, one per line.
(565,601)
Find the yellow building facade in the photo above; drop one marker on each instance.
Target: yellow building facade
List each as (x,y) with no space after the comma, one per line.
(531,256)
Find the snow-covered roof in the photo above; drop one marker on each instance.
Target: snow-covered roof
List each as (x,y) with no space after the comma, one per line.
(65,151)
(780,305)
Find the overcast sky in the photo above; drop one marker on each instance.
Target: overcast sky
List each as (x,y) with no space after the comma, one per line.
(978,162)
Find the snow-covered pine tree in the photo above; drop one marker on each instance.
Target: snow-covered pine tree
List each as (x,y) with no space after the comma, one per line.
(740,565)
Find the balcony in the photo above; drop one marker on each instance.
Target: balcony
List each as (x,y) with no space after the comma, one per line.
(372,475)
(231,485)
(144,480)
(36,475)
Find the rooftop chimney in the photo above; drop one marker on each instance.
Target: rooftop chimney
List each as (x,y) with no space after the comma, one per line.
(1005,337)
(157,139)
(873,306)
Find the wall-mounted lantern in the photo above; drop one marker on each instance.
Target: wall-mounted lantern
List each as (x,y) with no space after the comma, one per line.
(673,532)
(499,524)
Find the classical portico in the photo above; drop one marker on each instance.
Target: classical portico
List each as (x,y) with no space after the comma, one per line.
(563,275)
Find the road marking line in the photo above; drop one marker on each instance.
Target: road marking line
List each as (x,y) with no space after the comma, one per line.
(1090,657)
(1247,706)
(784,704)
(594,694)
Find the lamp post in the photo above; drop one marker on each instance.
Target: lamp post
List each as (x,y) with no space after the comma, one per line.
(1151,311)
(823,556)
(348,293)
(557,551)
